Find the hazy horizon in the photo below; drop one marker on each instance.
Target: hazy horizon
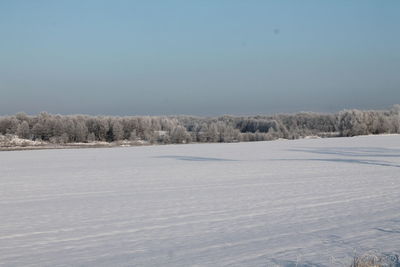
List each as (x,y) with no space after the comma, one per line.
(200,115)
(201,58)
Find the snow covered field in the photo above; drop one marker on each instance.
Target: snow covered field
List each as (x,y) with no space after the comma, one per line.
(311,201)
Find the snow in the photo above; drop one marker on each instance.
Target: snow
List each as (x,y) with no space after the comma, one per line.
(277,203)
(13,140)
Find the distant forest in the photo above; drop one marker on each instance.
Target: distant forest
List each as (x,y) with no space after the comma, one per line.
(64,129)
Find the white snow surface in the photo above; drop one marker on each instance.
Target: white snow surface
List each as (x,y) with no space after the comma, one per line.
(279,203)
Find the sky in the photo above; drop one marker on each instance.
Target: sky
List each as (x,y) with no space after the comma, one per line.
(198,57)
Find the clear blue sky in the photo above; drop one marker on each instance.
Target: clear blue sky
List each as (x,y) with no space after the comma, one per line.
(204,57)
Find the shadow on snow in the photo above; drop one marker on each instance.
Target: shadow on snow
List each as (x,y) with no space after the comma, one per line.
(191,158)
(353,151)
(360,152)
(354,161)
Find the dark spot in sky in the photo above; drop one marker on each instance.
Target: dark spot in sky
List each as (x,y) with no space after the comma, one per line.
(277,31)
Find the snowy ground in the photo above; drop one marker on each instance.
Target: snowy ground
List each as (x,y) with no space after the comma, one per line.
(308,202)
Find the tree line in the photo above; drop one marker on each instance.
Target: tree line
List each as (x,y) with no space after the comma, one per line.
(62,129)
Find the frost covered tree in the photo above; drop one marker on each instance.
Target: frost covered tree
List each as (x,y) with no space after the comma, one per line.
(132,135)
(117,131)
(212,134)
(91,137)
(23,130)
(351,122)
(80,132)
(179,135)
(180,129)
